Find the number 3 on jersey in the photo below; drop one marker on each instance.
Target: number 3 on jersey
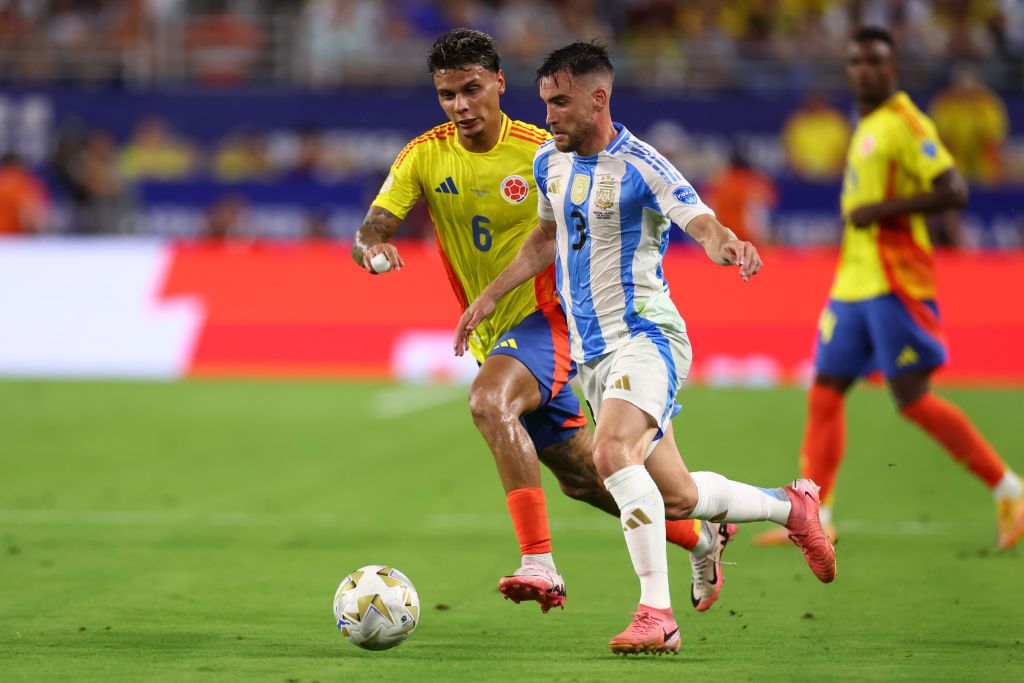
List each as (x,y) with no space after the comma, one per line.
(581,230)
(481,235)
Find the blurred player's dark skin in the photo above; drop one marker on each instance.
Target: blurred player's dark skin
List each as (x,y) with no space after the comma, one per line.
(892,327)
(872,74)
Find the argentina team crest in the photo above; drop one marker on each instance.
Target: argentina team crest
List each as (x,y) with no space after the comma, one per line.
(604,197)
(514,189)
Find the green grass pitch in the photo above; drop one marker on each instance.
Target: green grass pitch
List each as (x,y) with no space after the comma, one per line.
(197,531)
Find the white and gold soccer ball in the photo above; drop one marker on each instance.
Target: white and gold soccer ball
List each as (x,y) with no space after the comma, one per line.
(376,607)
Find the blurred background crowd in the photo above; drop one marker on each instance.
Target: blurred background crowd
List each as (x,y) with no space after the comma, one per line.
(265,118)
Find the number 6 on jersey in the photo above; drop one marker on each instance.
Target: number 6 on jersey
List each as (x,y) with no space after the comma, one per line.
(481,235)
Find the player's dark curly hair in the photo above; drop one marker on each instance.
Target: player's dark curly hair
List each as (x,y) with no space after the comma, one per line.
(462,47)
(578,59)
(870,34)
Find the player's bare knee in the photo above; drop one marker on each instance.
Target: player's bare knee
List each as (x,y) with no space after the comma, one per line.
(610,455)
(488,404)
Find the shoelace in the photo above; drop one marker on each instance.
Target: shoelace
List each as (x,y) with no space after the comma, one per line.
(532,569)
(644,622)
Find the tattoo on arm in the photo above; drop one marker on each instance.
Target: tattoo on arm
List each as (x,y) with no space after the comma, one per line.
(380,225)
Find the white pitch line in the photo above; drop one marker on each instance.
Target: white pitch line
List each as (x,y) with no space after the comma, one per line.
(600,522)
(389,404)
(127,518)
(594,523)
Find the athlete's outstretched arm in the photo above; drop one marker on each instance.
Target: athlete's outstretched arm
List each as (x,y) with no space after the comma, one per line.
(536,254)
(723,247)
(373,237)
(949,191)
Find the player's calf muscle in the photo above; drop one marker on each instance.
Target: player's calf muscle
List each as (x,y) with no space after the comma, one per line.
(571,463)
(680,504)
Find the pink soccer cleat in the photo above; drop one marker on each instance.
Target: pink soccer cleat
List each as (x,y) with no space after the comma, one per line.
(536,582)
(653,631)
(805,529)
(707,569)
(780,536)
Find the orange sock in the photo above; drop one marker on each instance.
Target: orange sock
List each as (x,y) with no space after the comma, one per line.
(949,426)
(683,532)
(530,518)
(824,437)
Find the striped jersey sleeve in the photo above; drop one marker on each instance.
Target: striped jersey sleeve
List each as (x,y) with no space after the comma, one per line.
(676,198)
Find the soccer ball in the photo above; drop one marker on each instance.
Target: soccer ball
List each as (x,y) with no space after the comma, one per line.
(376,607)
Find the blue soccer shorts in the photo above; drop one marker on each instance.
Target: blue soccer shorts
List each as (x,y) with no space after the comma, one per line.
(540,341)
(887,333)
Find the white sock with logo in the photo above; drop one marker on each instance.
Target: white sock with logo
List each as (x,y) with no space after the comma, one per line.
(723,500)
(642,511)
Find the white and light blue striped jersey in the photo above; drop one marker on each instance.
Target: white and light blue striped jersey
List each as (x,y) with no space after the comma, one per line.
(613,211)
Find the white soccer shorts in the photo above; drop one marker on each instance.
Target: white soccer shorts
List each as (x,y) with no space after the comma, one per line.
(646,370)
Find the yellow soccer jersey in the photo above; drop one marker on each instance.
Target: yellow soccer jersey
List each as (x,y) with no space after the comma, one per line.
(483,206)
(895,152)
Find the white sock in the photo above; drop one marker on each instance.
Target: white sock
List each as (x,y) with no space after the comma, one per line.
(1009,486)
(722,500)
(642,511)
(706,541)
(546,559)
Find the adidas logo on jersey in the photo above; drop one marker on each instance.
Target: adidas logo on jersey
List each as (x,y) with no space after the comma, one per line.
(447,187)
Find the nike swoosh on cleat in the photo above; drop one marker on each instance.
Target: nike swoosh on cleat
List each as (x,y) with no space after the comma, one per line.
(668,636)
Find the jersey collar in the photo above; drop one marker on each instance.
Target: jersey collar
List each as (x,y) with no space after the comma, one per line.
(898,98)
(619,140)
(506,126)
(613,146)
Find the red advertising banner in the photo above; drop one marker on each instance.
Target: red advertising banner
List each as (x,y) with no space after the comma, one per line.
(308,310)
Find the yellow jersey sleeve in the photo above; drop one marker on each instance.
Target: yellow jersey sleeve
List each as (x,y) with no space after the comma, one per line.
(403,187)
(921,152)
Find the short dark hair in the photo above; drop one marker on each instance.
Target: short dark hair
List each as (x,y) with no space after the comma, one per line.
(578,59)
(463,47)
(870,34)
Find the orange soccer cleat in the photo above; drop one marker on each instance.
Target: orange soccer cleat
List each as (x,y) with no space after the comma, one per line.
(1009,521)
(805,530)
(780,535)
(653,631)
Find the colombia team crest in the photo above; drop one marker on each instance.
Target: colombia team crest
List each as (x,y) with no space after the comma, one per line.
(514,189)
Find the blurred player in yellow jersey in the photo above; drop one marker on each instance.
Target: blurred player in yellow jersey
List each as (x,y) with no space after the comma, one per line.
(882,312)
(476,174)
